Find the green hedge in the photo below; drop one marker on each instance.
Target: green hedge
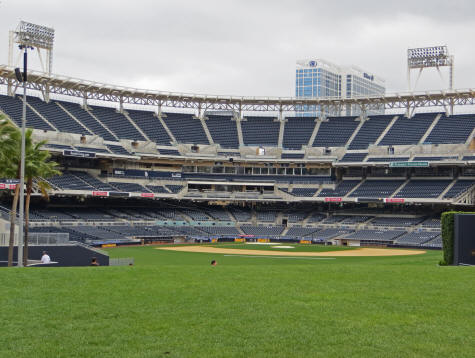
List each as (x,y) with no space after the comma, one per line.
(447,223)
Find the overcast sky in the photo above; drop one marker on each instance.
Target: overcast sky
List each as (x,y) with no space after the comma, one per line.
(243,47)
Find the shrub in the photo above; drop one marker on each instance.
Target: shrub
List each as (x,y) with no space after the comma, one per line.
(448,227)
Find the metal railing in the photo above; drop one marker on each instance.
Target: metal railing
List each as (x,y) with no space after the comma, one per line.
(35,239)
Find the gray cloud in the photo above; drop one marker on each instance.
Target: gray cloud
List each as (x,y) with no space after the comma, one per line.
(242,47)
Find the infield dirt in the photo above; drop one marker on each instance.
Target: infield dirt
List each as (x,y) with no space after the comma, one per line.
(347,253)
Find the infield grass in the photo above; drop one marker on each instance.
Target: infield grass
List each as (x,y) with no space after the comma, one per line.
(174,304)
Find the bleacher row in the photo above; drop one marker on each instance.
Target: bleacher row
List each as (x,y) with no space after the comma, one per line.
(369,188)
(96,224)
(138,125)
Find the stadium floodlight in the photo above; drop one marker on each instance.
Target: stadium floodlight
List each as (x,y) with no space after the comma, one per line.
(429,57)
(33,35)
(36,37)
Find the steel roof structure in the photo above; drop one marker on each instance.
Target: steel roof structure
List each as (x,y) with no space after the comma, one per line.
(91,90)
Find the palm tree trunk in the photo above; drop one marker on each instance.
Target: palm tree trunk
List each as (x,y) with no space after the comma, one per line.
(12,225)
(29,187)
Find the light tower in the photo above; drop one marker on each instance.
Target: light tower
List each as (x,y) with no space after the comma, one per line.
(28,36)
(429,57)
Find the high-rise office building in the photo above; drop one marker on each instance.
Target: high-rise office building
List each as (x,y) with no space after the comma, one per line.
(322,79)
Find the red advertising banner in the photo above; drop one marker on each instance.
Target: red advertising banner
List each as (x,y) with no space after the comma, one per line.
(330,199)
(394,200)
(147,195)
(100,193)
(2,186)
(11,186)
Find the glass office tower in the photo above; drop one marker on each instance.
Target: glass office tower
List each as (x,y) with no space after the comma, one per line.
(322,79)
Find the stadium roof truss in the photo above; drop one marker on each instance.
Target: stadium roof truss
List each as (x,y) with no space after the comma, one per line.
(89,90)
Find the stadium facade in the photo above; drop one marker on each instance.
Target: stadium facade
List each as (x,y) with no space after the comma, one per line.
(155,167)
(317,78)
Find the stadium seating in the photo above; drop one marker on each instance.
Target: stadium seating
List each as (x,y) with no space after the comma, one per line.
(408,130)
(335,132)
(297,132)
(453,129)
(396,221)
(375,235)
(223,130)
(260,131)
(376,188)
(186,128)
(262,230)
(292,156)
(13,107)
(353,157)
(340,190)
(459,187)
(56,116)
(304,192)
(370,132)
(416,238)
(117,149)
(423,189)
(87,120)
(151,125)
(117,123)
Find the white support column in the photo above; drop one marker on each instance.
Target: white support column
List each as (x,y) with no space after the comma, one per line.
(238,120)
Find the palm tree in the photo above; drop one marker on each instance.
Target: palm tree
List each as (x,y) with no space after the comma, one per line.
(39,166)
(36,163)
(10,156)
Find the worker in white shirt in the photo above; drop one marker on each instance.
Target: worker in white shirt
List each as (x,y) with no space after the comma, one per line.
(45,259)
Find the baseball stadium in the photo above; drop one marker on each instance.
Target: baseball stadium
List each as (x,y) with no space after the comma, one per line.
(230,226)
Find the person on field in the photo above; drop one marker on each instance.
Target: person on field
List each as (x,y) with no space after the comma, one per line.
(94,262)
(214,263)
(45,259)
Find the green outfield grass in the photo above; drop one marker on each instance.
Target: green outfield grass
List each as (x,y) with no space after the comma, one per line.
(174,304)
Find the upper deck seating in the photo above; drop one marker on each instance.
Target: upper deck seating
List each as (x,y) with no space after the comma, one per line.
(260,131)
(117,123)
(223,130)
(335,132)
(87,120)
(13,107)
(370,132)
(297,132)
(151,126)
(453,129)
(408,130)
(56,116)
(186,128)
